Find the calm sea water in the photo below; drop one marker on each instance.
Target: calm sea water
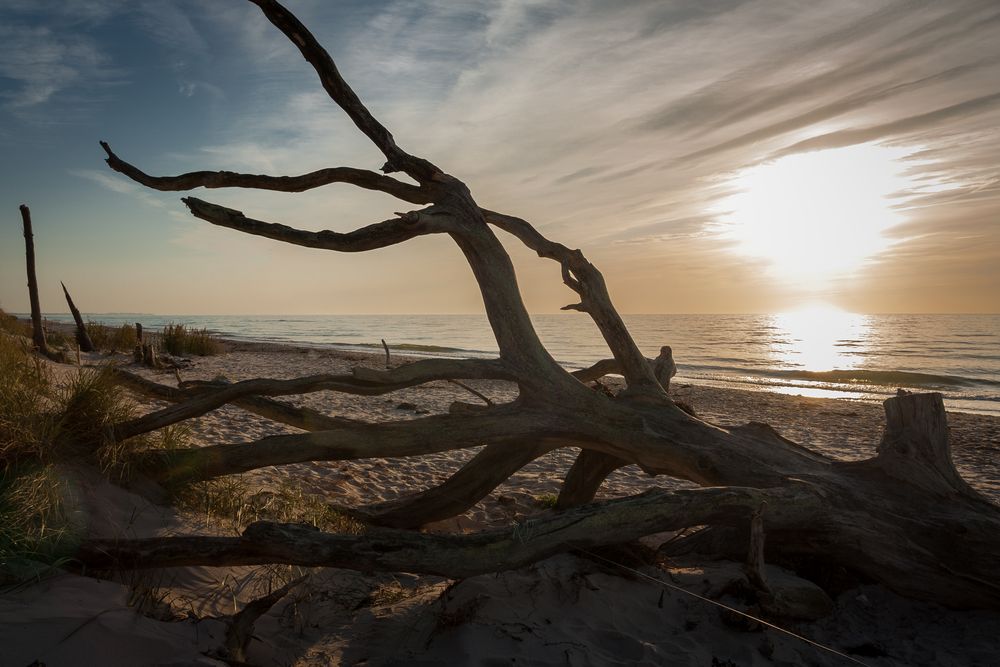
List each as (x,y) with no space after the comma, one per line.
(819,353)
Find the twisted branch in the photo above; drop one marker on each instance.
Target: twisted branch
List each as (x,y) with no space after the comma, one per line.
(362,382)
(363,178)
(379,235)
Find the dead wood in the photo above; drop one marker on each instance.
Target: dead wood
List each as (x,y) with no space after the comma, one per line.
(82,337)
(37,331)
(904,518)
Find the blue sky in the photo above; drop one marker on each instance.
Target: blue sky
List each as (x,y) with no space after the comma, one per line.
(621,128)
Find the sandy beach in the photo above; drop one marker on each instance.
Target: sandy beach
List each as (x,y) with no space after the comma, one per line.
(573,609)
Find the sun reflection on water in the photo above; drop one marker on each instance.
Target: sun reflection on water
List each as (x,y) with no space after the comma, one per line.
(819,338)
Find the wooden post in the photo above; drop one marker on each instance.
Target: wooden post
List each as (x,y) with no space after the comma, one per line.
(82,337)
(37,332)
(137,353)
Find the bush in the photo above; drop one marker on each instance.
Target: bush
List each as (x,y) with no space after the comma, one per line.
(178,340)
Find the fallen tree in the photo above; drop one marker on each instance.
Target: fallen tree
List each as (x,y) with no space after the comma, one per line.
(904,518)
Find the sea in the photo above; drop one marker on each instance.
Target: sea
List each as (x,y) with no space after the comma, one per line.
(821,353)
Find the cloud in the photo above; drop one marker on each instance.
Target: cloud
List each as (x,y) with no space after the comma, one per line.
(43,64)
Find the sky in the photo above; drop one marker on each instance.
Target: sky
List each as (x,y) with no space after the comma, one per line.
(712,156)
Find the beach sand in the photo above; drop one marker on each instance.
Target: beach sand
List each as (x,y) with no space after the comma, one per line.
(573,609)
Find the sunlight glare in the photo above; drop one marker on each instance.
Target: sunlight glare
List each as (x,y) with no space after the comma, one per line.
(819,338)
(814,216)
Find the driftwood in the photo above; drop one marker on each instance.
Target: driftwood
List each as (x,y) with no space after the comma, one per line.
(82,337)
(37,331)
(904,517)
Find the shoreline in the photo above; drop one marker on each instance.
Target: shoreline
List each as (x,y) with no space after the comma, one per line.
(857,380)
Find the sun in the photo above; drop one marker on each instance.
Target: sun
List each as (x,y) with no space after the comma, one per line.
(819,215)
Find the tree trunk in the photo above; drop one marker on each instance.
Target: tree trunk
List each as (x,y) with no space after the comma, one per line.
(82,337)
(37,332)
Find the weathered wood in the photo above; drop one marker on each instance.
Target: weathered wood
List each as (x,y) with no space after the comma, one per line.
(585,477)
(470,484)
(306,419)
(82,337)
(37,332)
(362,381)
(362,178)
(454,555)
(905,517)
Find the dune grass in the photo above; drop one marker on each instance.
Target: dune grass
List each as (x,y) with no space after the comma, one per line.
(115,339)
(234,503)
(44,424)
(178,340)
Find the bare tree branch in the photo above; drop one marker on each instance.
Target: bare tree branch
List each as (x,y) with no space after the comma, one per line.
(470,484)
(365,382)
(363,178)
(380,235)
(306,419)
(345,442)
(451,555)
(341,93)
(583,278)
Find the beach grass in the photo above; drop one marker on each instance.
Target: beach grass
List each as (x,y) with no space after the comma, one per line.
(115,339)
(235,503)
(178,340)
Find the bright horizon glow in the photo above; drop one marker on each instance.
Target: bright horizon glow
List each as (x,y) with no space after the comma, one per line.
(816,216)
(813,334)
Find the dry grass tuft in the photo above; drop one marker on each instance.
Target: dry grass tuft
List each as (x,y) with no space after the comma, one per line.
(115,339)
(35,525)
(234,503)
(178,340)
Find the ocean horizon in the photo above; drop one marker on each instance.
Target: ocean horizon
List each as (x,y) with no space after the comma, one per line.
(819,353)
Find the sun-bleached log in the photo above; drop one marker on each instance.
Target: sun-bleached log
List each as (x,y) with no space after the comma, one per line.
(362,178)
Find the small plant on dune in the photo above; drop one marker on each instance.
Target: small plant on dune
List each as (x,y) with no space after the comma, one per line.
(35,524)
(116,339)
(11,325)
(235,503)
(28,422)
(92,403)
(547,500)
(177,339)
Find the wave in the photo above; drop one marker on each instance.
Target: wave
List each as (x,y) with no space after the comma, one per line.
(866,377)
